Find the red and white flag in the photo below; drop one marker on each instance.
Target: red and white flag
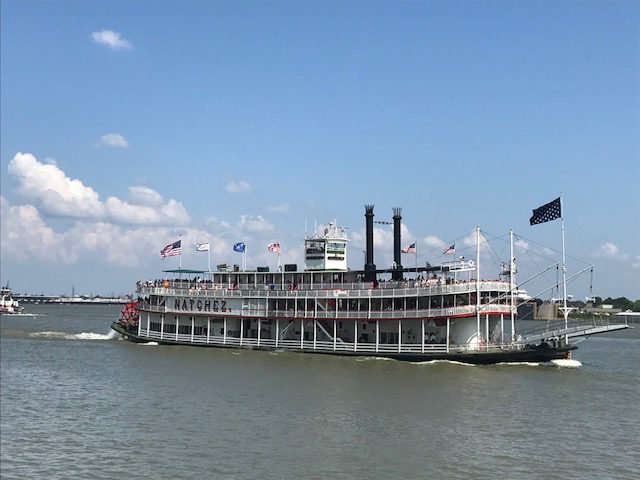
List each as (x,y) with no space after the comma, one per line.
(410,249)
(274,247)
(451,250)
(172,249)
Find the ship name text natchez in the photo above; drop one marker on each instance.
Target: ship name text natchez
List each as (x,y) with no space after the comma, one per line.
(444,312)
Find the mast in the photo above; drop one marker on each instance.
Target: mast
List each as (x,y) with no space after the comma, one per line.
(565,311)
(478,283)
(511,285)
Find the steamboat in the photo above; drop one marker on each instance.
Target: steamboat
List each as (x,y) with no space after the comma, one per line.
(421,313)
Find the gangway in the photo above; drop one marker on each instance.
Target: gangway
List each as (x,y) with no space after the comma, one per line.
(577,328)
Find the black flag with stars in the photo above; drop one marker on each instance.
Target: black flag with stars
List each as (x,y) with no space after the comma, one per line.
(546,213)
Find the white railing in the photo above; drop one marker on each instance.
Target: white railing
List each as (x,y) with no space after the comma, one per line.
(343,314)
(351,290)
(288,344)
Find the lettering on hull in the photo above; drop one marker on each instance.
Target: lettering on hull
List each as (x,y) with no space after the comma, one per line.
(199,305)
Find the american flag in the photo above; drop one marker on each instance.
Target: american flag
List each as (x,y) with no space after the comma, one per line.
(274,247)
(172,249)
(410,249)
(450,250)
(547,212)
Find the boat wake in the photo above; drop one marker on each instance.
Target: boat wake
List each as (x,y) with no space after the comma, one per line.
(452,362)
(149,344)
(112,335)
(566,363)
(367,359)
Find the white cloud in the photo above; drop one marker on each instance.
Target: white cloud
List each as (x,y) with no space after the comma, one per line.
(139,195)
(611,250)
(636,265)
(521,244)
(111,39)
(282,208)
(114,140)
(24,235)
(240,186)
(26,238)
(257,224)
(56,194)
(431,241)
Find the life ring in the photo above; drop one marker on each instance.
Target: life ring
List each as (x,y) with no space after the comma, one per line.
(471,263)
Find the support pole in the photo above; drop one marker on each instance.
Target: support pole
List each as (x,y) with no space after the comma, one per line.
(478,285)
(486,339)
(355,335)
(448,331)
(512,286)
(565,311)
(334,334)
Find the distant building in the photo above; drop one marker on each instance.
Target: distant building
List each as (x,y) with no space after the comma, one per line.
(548,311)
(603,309)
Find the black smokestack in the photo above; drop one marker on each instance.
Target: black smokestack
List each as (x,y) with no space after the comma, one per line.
(397,253)
(369,267)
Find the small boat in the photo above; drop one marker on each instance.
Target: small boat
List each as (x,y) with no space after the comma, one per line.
(421,313)
(9,305)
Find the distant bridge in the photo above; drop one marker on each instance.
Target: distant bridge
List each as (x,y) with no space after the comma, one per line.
(57,299)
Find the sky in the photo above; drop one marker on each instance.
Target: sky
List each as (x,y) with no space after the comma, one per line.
(127,124)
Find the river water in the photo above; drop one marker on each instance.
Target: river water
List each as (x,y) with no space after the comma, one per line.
(78,403)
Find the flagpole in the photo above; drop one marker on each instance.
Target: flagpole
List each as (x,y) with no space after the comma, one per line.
(478,284)
(565,312)
(416,252)
(209,255)
(511,285)
(180,259)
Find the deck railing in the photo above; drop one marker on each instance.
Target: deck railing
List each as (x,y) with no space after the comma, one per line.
(343,314)
(351,291)
(320,346)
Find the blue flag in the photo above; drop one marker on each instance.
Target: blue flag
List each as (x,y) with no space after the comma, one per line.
(239,247)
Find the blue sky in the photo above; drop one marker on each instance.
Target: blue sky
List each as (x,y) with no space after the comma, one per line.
(126,124)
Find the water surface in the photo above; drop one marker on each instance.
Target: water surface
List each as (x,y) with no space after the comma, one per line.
(77,403)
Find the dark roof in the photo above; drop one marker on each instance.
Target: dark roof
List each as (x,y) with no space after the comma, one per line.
(183,270)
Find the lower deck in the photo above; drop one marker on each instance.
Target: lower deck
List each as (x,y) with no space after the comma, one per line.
(398,336)
(482,354)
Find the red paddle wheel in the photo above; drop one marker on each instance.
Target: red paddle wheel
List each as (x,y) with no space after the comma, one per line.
(129,315)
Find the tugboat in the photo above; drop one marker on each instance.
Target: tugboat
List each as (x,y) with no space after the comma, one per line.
(9,305)
(421,313)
